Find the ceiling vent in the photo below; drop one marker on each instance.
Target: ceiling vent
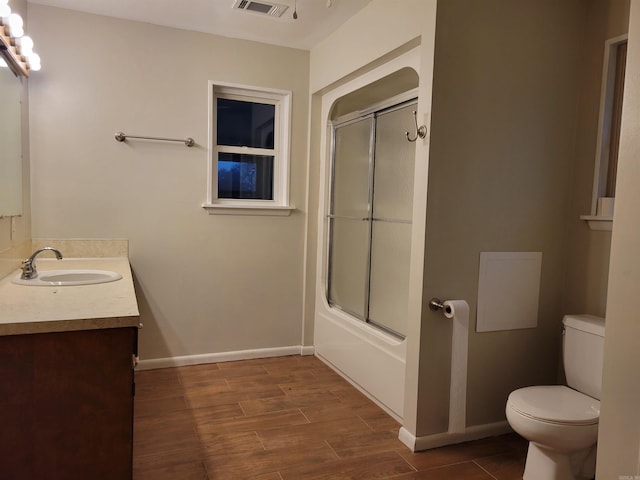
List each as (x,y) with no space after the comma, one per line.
(263,8)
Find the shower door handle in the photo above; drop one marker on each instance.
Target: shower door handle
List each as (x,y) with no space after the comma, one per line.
(345,217)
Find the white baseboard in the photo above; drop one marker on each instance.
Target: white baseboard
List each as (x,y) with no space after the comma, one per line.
(310,350)
(224,357)
(475,432)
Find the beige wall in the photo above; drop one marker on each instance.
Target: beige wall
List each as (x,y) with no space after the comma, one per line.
(15,232)
(587,267)
(500,176)
(619,433)
(206,283)
(360,42)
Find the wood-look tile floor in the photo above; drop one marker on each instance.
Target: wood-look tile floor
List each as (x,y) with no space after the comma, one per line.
(288,418)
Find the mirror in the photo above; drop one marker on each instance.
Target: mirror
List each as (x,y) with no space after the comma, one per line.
(10,143)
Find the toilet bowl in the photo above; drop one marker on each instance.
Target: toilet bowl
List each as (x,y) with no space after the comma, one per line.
(562,428)
(561,423)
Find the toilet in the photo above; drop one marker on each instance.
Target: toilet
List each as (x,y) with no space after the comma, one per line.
(561,422)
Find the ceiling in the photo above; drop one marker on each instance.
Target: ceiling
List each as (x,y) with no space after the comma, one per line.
(315,19)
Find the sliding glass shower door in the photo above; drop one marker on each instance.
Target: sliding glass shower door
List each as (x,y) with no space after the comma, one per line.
(370,217)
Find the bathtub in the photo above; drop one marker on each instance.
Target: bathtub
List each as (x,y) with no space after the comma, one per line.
(370,359)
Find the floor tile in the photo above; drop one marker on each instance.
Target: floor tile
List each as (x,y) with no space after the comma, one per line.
(234,465)
(507,466)
(364,444)
(296,436)
(460,471)
(185,471)
(380,466)
(255,423)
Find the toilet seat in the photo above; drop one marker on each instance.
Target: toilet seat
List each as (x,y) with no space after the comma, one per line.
(555,404)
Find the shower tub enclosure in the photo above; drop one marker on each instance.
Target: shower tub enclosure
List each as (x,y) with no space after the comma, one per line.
(362,290)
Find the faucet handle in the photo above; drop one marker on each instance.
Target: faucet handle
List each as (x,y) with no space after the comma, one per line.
(28,270)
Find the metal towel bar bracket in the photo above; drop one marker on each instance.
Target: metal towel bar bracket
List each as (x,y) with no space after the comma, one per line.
(189,142)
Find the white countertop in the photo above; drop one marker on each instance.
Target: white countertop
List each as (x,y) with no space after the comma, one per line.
(40,309)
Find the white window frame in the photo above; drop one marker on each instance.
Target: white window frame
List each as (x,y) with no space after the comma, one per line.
(601,217)
(281,99)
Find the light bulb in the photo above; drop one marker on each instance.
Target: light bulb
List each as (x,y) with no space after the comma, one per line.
(34,61)
(25,44)
(15,25)
(17,32)
(15,21)
(6,12)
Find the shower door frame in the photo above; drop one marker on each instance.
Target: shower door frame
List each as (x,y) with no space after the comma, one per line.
(371,114)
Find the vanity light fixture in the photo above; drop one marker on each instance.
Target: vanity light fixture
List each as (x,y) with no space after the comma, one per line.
(16,48)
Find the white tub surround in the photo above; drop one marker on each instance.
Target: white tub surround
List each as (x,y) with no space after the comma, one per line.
(44,309)
(371,360)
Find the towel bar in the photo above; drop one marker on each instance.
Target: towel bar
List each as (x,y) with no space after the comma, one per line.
(189,142)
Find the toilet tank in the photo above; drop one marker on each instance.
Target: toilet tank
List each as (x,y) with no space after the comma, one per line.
(583,353)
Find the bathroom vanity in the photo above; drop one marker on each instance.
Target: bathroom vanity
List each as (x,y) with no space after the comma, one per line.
(66,376)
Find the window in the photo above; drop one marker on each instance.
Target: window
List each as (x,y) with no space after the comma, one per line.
(604,183)
(249,150)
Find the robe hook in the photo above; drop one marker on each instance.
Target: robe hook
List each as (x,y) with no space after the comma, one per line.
(421,131)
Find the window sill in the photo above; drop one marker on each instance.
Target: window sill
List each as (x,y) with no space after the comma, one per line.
(265,210)
(598,222)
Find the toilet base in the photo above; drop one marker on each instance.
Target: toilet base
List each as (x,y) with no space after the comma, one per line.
(545,464)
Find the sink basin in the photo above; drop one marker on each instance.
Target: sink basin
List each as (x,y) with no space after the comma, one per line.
(69,277)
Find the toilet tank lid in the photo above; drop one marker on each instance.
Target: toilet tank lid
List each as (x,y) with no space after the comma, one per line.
(586,323)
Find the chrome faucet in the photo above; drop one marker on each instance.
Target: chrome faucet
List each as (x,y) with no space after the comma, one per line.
(29,271)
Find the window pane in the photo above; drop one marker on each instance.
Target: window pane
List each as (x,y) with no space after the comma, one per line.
(245,124)
(245,176)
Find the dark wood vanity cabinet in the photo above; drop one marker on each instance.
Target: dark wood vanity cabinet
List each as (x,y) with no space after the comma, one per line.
(66,405)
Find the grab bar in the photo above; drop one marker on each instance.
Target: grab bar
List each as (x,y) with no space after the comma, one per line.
(121,137)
